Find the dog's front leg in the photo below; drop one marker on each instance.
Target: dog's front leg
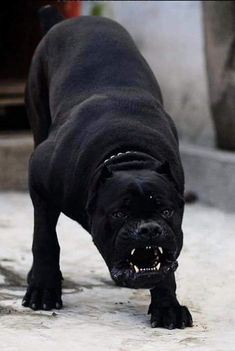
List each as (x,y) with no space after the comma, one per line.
(165,309)
(44,278)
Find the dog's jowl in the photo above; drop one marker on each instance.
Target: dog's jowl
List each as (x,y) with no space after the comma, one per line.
(106,155)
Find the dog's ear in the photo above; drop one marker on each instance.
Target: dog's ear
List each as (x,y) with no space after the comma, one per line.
(105,173)
(99,177)
(164,169)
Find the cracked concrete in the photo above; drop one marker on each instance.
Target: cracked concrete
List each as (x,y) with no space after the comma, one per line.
(97,315)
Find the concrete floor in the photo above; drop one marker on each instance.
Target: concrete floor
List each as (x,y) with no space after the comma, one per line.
(100,316)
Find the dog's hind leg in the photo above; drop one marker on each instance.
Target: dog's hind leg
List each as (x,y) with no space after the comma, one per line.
(36,98)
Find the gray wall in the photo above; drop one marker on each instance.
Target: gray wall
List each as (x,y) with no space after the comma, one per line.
(170,36)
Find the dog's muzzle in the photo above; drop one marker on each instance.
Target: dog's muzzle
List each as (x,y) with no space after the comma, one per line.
(145,254)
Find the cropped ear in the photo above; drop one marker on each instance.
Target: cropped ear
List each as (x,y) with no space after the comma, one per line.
(105,173)
(101,175)
(164,169)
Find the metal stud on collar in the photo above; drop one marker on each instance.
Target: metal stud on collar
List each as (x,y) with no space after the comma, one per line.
(119,154)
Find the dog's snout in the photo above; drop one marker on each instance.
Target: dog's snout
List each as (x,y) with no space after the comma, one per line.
(149,231)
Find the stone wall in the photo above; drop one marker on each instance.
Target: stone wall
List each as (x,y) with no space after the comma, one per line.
(170,36)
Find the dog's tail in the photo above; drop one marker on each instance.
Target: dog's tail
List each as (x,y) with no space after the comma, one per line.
(49,16)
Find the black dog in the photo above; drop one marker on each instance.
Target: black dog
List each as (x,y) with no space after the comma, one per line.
(107,156)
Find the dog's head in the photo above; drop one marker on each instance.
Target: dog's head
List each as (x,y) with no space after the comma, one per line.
(135,213)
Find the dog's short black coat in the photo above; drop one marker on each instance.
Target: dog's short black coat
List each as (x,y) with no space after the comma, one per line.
(91,95)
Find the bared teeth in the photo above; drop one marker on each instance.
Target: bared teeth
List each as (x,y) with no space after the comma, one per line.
(153,269)
(136,269)
(158,251)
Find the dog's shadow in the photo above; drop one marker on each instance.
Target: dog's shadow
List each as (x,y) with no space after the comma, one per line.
(91,299)
(103,296)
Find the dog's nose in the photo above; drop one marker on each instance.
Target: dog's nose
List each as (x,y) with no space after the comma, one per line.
(149,231)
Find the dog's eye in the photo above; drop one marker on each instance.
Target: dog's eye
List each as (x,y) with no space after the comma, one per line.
(167,213)
(119,214)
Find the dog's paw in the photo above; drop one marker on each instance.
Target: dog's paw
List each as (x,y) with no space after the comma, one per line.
(171,317)
(44,290)
(42,298)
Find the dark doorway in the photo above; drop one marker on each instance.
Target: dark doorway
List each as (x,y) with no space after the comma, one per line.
(19,35)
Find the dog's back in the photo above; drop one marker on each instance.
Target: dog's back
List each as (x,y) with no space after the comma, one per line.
(78,58)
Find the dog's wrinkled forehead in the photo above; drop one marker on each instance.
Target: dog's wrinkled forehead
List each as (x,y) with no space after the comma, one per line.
(138,184)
